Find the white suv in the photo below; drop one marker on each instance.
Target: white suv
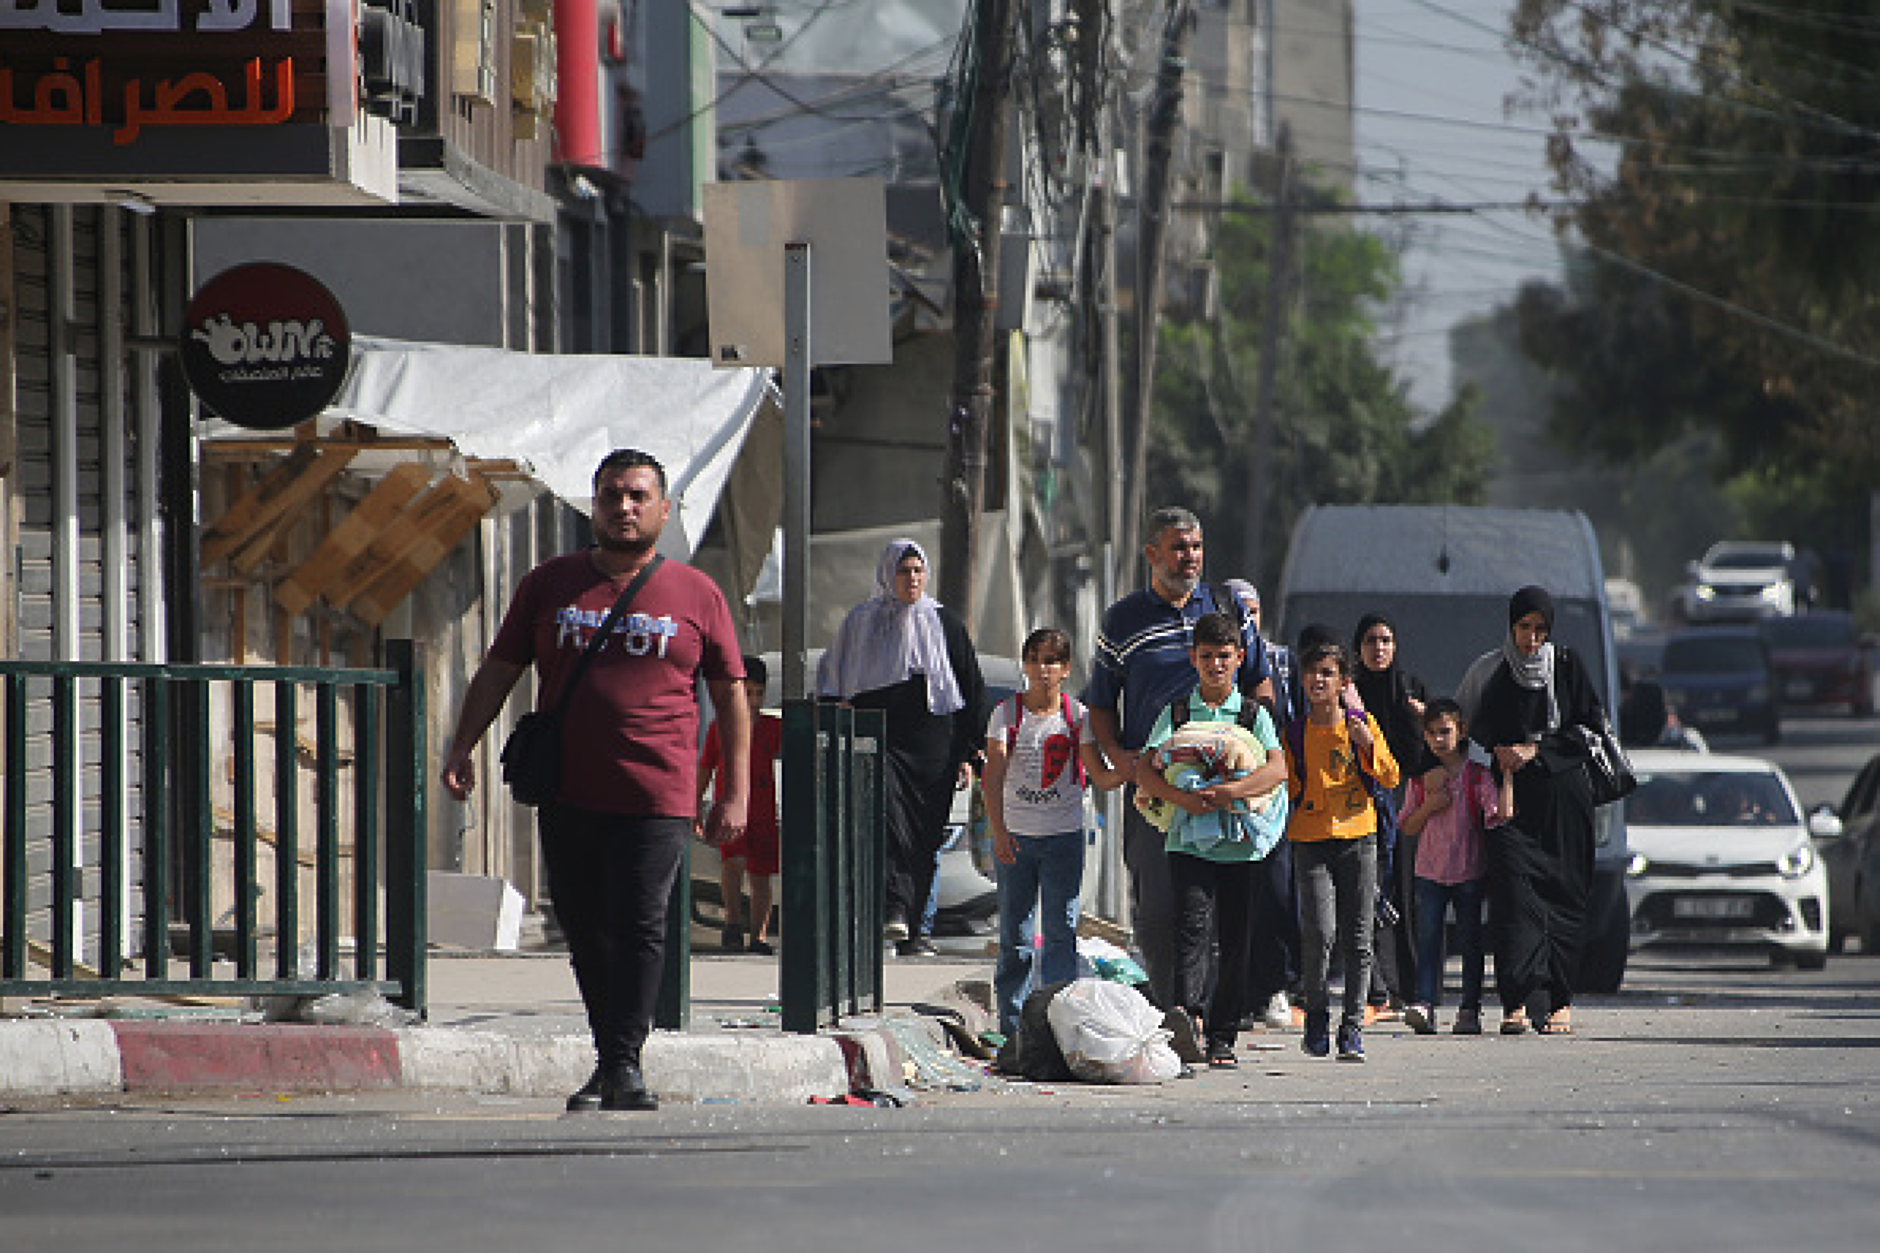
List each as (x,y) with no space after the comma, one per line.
(1740,580)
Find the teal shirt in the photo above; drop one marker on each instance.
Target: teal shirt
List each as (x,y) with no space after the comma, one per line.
(1228,711)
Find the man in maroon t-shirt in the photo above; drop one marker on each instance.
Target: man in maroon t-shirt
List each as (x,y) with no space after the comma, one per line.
(614,836)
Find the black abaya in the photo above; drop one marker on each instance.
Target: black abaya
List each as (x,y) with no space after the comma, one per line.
(924,753)
(1541,864)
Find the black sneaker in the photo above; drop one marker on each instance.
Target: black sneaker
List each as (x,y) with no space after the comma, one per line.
(1317,1041)
(587,1097)
(731,939)
(1350,1043)
(919,946)
(624,1088)
(761,947)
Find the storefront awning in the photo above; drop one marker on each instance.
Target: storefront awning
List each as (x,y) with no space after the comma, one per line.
(557,415)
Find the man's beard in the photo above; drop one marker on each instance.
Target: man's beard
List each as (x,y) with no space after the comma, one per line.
(628,547)
(1180,584)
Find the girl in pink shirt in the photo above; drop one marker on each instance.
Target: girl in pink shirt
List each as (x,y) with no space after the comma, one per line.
(1448,808)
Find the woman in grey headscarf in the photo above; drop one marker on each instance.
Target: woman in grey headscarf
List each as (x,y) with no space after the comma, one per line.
(1541,863)
(904,652)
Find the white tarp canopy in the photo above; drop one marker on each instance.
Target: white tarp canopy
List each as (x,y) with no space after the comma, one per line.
(561,413)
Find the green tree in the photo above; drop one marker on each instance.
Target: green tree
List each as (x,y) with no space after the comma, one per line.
(1344,431)
(1718,156)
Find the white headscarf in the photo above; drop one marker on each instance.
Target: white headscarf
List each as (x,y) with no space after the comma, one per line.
(884,640)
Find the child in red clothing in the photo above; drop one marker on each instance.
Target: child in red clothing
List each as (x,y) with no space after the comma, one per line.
(754,854)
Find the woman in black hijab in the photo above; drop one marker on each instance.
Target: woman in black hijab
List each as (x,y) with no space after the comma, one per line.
(1396,700)
(1541,863)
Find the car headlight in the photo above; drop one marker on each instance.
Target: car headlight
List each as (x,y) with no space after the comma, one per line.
(1705,591)
(1797,862)
(1772,593)
(1636,865)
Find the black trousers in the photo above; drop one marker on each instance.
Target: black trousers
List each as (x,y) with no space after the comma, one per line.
(1214,902)
(611,876)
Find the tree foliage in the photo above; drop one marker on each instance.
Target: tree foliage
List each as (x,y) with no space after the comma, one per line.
(1721,160)
(1344,430)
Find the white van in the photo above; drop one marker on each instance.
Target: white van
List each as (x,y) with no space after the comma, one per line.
(1443,575)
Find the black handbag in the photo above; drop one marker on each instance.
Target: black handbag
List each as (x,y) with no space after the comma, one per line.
(532,753)
(1607,768)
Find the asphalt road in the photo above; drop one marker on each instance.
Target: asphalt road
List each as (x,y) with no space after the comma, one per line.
(1715,1103)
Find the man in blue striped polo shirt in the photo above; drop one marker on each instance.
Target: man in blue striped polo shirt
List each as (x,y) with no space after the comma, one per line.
(1140,665)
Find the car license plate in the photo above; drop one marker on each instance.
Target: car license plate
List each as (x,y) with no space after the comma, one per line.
(1713,907)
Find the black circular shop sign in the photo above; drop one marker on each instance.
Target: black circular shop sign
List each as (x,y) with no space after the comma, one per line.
(265,345)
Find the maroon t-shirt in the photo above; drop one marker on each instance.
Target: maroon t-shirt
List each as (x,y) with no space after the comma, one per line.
(630,730)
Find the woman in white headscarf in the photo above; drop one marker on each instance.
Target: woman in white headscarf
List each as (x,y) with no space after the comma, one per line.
(904,652)
(1541,863)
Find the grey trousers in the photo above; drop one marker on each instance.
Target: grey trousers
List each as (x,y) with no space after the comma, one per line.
(1337,883)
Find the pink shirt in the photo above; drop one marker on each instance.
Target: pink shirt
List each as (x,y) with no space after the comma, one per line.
(1450,848)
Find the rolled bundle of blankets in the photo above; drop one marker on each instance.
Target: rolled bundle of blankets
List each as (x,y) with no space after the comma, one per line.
(1199,755)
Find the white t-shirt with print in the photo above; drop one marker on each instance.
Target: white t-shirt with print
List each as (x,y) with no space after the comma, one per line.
(1042,796)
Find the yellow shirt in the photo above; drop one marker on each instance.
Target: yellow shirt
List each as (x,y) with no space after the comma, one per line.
(1334,804)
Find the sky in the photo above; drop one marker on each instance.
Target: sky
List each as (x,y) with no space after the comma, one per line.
(1433,78)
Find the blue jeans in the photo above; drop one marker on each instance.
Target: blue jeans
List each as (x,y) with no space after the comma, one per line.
(1048,874)
(1433,901)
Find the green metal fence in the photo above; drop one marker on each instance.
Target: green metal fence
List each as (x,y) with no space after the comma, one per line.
(834,862)
(154,819)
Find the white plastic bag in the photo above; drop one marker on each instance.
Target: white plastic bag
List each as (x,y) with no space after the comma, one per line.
(1110,1033)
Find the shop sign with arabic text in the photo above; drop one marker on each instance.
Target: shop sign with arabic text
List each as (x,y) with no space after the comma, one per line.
(113,73)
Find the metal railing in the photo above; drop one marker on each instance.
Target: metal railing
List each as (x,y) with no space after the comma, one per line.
(137,836)
(834,862)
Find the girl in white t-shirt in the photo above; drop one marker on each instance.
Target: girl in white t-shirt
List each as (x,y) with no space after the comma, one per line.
(1040,755)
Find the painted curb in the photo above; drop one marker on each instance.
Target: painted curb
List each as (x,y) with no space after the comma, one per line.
(171,1057)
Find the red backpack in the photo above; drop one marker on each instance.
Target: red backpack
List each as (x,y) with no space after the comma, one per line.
(1018,713)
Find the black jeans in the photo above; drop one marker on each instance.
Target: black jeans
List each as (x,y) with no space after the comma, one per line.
(610,876)
(1214,904)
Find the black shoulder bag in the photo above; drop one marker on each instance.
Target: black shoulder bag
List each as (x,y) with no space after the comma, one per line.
(532,753)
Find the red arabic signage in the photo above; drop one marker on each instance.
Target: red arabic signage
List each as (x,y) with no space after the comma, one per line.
(265,345)
(120,67)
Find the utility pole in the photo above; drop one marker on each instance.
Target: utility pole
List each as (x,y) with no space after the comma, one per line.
(978,223)
(1164,114)
(1279,259)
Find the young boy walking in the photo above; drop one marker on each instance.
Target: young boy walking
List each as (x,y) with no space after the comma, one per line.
(754,854)
(1039,755)
(1337,756)
(1449,807)
(1214,865)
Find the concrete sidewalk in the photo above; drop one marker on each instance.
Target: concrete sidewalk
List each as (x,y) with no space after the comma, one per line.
(506,1023)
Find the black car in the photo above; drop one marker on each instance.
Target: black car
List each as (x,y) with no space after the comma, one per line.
(1720,680)
(1853,861)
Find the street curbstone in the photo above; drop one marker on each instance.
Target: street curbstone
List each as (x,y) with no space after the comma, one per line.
(62,1058)
(446,1059)
(173,1057)
(769,1070)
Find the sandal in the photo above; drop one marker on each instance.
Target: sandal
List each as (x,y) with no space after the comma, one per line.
(1560,1022)
(1514,1022)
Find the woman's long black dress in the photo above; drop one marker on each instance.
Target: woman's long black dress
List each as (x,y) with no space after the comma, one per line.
(1541,864)
(924,752)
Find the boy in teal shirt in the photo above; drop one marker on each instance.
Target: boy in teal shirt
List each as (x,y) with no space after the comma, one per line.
(1213,876)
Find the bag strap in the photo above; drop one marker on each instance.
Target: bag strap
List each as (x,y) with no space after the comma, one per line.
(607,625)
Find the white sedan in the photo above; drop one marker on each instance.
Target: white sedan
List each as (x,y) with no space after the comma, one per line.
(1721,857)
